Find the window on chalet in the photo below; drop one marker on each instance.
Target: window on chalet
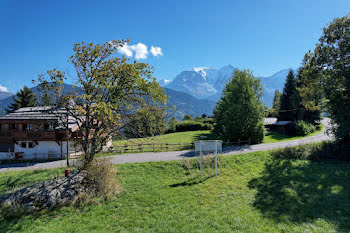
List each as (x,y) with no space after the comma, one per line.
(51,126)
(1,127)
(27,126)
(31,144)
(13,126)
(23,144)
(46,126)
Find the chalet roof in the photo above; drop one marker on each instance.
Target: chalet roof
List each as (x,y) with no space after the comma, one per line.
(270,120)
(283,122)
(41,113)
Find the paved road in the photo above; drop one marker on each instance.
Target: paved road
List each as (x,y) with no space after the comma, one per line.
(177,155)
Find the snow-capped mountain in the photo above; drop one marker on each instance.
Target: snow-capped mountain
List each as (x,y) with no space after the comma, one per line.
(202,82)
(273,83)
(208,83)
(164,82)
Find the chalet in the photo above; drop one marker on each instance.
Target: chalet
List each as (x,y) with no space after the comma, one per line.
(37,133)
(269,122)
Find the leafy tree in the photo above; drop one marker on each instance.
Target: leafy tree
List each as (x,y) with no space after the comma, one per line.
(188,118)
(239,114)
(276,103)
(45,100)
(328,69)
(108,90)
(288,107)
(310,97)
(146,122)
(204,116)
(23,98)
(171,128)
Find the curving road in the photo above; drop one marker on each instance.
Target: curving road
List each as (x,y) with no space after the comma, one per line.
(177,155)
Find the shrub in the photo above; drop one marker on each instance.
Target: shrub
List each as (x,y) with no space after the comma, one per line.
(192,126)
(101,177)
(210,121)
(188,118)
(258,134)
(303,128)
(171,127)
(314,152)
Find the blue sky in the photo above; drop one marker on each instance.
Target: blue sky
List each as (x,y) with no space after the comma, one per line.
(263,36)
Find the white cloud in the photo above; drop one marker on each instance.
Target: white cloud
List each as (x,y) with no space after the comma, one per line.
(3,89)
(125,50)
(139,51)
(156,51)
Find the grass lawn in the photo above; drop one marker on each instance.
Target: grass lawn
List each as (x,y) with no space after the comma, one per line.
(273,136)
(253,193)
(191,136)
(178,137)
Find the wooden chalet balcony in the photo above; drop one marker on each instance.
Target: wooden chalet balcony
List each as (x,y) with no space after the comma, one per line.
(28,135)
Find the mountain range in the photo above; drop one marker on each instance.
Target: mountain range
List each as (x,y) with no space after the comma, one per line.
(179,103)
(194,91)
(208,83)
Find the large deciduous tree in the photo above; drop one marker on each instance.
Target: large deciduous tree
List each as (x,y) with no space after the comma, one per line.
(108,90)
(327,72)
(146,122)
(239,113)
(23,98)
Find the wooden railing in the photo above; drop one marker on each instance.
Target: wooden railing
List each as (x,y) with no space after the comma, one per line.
(149,147)
(157,147)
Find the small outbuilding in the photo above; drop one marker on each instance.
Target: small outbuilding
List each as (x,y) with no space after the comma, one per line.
(282,126)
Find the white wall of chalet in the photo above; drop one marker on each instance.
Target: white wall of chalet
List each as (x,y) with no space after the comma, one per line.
(44,150)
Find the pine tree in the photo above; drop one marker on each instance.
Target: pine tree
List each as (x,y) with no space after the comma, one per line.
(288,109)
(276,103)
(239,113)
(23,98)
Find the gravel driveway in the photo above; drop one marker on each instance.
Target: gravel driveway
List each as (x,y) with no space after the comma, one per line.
(177,155)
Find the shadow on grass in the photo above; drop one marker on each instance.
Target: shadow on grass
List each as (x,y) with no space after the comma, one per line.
(304,191)
(192,181)
(278,136)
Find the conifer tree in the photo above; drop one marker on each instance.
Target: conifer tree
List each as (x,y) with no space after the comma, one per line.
(288,109)
(276,103)
(23,98)
(239,113)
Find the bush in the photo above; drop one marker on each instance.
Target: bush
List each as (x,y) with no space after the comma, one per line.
(188,118)
(192,126)
(102,177)
(210,121)
(258,134)
(171,127)
(314,152)
(303,128)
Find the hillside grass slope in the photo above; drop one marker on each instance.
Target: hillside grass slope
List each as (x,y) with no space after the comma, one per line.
(253,193)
